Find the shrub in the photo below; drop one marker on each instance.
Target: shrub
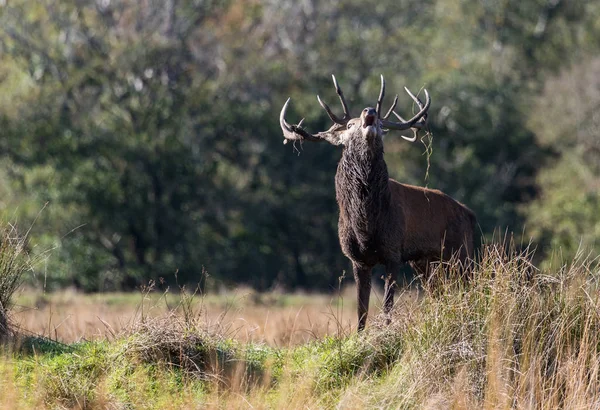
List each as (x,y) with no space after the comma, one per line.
(13,263)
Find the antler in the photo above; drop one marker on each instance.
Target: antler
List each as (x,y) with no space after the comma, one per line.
(380,101)
(297,133)
(333,134)
(380,98)
(341,121)
(387,114)
(415,123)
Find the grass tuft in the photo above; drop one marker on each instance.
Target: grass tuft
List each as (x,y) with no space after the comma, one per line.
(13,263)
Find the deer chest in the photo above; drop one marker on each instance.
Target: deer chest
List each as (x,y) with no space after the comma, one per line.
(361,245)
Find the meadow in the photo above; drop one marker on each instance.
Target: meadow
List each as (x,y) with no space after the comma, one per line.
(275,318)
(514,337)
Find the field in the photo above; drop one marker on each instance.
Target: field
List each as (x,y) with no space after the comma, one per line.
(513,337)
(275,318)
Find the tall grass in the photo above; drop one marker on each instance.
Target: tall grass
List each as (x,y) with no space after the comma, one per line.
(515,337)
(511,337)
(13,263)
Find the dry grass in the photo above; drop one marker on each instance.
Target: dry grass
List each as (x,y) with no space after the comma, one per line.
(274,318)
(14,261)
(514,337)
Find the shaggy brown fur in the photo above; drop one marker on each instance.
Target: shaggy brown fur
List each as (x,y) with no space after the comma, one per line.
(381,220)
(385,222)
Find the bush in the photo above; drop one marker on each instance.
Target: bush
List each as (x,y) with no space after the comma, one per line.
(13,263)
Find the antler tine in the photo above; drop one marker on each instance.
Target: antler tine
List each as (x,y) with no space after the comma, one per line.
(387,115)
(423,109)
(338,91)
(293,132)
(380,99)
(414,128)
(331,115)
(297,133)
(416,99)
(344,120)
(420,105)
(417,121)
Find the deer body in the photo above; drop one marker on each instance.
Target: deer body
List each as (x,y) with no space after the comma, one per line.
(364,198)
(382,221)
(399,223)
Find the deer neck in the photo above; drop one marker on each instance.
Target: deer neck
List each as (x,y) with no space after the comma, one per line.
(362,190)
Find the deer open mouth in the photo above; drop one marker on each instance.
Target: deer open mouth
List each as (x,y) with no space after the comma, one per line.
(369,121)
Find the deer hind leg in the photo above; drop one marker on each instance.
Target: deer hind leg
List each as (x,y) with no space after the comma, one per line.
(424,269)
(459,260)
(465,258)
(389,289)
(362,276)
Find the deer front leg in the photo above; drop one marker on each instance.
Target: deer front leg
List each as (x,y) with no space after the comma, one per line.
(389,288)
(362,276)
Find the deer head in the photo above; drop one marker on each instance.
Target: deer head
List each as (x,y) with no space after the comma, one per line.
(369,127)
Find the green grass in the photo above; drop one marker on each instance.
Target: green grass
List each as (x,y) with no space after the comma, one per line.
(514,337)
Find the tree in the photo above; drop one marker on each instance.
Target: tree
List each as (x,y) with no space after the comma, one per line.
(566,120)
(151,128)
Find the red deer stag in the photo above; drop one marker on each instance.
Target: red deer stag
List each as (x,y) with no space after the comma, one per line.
(383,221)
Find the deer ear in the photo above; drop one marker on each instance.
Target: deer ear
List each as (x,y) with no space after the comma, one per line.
(336,135)
(343,137)
(334,138)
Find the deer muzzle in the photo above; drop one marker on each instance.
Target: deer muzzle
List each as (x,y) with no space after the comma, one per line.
(369,120)
(369,116)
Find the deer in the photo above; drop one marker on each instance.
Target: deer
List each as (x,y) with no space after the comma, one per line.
(382,221)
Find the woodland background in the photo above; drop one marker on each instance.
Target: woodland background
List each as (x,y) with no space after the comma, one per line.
(139,140)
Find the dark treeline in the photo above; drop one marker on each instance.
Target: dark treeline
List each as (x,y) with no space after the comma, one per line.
(142,137)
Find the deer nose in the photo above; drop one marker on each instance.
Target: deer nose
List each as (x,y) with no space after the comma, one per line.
(368,116)
(370,111)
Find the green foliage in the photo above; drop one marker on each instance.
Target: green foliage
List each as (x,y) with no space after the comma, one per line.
(565,217)
(82,374)
(263,363)
(68,378)
(44,346)
(151,387)
(151,130)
